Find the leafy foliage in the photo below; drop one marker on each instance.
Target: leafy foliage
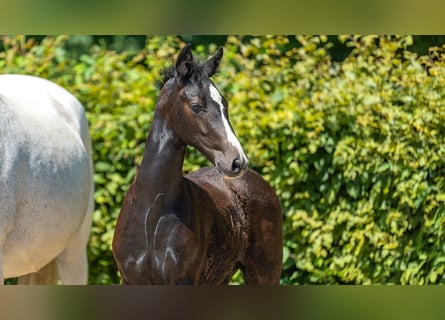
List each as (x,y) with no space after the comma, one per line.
(354,149)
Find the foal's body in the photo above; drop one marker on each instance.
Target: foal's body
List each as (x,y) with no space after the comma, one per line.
(199,228)
(203,233)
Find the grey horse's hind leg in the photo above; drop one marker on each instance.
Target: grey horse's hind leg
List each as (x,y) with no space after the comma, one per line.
(72,263)
(47,275)
(70,266)
(2,279)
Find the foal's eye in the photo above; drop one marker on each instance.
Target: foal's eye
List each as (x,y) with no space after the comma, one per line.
(196,108)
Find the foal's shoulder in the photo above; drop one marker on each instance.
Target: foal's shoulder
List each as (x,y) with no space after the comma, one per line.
(210,180)
(249,182)
(204,177)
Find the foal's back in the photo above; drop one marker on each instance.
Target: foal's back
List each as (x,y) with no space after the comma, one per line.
(246,227)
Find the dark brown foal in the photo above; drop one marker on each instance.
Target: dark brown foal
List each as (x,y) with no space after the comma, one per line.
(197,229)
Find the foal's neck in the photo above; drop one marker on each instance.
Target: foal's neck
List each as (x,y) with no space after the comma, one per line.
(161,167)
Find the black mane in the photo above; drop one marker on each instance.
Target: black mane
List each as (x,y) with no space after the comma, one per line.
(165,74)
(197,74)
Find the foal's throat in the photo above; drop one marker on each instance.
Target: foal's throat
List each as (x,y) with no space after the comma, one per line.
(161,167)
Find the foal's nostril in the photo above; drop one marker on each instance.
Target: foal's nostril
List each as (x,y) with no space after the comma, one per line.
(236,165)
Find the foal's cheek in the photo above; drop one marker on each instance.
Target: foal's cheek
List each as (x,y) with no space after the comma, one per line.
(197,126)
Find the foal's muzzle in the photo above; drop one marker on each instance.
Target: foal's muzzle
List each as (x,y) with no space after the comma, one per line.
(233,168)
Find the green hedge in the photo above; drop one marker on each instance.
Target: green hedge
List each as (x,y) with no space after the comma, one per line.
(355,150)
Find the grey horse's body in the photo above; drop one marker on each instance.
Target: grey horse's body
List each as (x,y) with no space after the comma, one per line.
(46,185)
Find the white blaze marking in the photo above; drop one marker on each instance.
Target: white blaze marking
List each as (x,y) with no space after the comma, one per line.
(231,138)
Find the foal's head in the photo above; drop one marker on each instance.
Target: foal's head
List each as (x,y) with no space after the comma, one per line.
(197,112)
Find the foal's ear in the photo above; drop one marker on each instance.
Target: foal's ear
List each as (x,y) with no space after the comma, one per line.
(184,61)
(211,65)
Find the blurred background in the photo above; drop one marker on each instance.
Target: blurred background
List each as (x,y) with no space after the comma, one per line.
(347,129)
(81,44)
